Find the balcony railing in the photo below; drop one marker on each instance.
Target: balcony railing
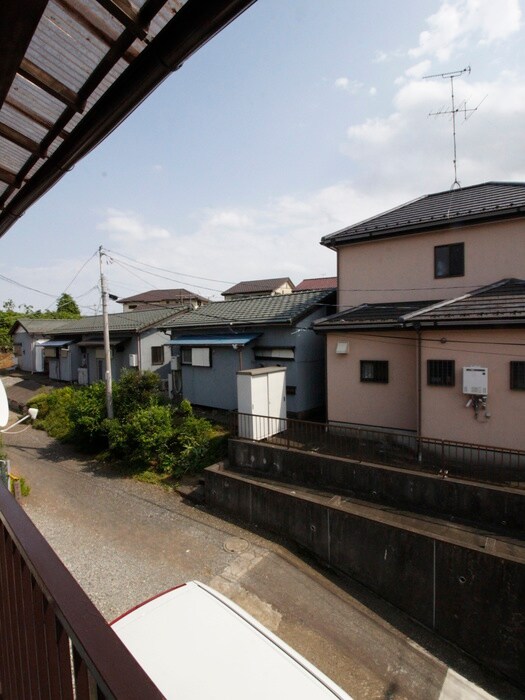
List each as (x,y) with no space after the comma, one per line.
(54,643)
(402,450)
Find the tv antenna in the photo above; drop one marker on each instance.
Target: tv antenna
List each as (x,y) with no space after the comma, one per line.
(467,113)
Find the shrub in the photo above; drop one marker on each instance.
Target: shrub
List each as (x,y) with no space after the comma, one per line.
(146,438)
(135,390)
(87,412)
(193,438)
(54,412)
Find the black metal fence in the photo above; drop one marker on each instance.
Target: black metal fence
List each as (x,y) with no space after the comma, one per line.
(396,449)
(54,643)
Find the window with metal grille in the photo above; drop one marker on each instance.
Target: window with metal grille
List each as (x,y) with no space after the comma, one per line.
(449,260)
(441,372)
(185,356)
(157,355)
(374,371)
(517,375)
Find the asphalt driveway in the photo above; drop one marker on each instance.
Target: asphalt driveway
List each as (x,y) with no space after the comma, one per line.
(125,541)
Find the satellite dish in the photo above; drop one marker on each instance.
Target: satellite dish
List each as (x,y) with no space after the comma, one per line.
(4,406)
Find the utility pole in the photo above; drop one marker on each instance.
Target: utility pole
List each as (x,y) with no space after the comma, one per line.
(107,347)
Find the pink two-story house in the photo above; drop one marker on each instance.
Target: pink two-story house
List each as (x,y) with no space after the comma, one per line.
(430,331)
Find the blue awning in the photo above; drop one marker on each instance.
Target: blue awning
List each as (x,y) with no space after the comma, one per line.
(209,340)
(55,343)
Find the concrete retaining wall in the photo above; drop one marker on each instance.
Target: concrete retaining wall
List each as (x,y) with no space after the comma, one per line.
(473,598)
(483,505)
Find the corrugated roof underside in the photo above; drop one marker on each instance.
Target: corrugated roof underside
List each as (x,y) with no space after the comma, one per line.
(70,45)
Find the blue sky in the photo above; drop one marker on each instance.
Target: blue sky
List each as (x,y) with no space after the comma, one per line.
(298,119)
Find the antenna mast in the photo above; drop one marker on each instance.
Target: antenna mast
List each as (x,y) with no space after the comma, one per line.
(453,111)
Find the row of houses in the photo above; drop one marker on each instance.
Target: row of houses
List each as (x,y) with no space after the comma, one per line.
(425,333)
(196,350)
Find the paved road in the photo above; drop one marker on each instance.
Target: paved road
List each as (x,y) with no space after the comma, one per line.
(125,541)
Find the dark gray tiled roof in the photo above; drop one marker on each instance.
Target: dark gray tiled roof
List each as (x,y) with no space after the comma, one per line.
(129,321)
(502,302)
(478,203)
(40,326)
(254,286)
(252,311)
(371,315)
(154,295)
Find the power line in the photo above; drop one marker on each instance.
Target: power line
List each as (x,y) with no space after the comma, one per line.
(153,274)
(180,274)
(24,286)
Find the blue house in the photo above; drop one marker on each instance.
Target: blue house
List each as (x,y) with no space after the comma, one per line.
(211,344)
(72,350)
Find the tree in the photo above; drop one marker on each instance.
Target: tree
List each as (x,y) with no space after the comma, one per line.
(67,307)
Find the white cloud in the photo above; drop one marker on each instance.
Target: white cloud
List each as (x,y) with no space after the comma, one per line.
(351,86)
(373,91)
(128,226)
(407,146)
(465,21)
(376,131)
(419,70)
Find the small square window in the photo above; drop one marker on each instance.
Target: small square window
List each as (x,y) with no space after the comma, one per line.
(374,371)
(290,390)
(517,375)
(449,260)
(157,355)
(186,356)
(441,373)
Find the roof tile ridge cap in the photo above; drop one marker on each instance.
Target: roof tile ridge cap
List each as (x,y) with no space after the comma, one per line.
(446,302)
(350,309)
(437,305)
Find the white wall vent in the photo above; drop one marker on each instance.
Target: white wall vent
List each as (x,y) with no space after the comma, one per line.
(341,348)
(475,381)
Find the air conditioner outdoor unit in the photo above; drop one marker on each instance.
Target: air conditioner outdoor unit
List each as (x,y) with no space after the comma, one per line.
(175,363)
(133,360)
(475,381)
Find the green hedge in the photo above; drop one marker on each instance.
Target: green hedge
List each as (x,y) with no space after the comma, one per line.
(146,432)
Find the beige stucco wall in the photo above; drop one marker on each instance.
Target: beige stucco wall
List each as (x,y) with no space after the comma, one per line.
(444,414)
(402,268)
(391,405)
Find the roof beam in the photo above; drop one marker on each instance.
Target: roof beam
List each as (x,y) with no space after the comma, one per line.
(125,13)
(32,115)
(93,26)
(20,19)
(7,176)
(46,82)
(19,139)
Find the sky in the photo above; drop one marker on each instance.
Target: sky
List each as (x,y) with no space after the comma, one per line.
(300,118)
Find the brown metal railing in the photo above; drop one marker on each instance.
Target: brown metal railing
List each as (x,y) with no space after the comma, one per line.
(54,643)
(402,450)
